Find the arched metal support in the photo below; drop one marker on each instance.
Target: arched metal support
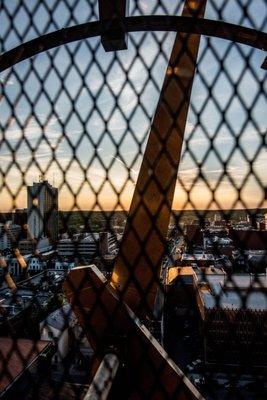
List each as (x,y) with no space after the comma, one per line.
(219,29)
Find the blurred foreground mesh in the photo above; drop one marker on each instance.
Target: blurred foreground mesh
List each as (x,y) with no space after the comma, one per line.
(75,122)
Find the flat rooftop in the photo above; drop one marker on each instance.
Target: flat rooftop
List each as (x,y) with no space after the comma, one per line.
(233,300)
(239,281)
(228,294)
(174,272)
(61,318)
(197,257)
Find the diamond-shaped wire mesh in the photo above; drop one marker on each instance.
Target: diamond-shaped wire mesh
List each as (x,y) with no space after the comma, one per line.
(109,159)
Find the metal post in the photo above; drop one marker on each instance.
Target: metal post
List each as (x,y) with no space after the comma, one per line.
(112,11)
(138,266)
(103,379)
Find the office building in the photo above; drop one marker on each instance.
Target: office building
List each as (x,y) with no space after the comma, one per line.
(233,334)
(66,247)
(43,210)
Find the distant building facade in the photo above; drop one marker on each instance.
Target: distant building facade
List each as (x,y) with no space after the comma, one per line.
(43,210)
(8,233)
(19,217)
(34,265)
(61,327)
(28,246)
(250,239)
(87,246)
(233,332)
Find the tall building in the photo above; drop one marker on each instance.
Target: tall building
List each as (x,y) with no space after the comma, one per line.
(43,210)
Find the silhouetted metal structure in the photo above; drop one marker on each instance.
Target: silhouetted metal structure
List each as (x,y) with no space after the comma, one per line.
(115,313)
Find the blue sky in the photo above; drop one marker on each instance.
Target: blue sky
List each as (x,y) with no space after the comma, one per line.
(116,142)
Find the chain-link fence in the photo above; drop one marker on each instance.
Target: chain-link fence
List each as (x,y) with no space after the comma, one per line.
(133,199)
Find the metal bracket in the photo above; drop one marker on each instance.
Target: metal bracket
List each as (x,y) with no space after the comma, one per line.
(112,12)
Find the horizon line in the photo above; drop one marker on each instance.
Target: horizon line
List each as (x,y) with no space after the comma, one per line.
(127,210)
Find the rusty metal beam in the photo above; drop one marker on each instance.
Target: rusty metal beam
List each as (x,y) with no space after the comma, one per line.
(156,23)
(111,326)
(137,268)
(100,386)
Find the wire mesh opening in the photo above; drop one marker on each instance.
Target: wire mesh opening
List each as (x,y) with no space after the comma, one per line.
(133,219)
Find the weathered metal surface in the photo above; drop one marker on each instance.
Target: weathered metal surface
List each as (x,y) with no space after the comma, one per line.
(137,269)
(103,379)
(147,23)
(115,37)
(109,323)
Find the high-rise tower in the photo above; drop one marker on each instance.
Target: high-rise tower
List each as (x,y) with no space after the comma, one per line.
(43,210)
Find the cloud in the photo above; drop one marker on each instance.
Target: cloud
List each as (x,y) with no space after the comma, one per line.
(33,130)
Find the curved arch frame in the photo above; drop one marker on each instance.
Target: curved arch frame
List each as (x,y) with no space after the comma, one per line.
(219,29)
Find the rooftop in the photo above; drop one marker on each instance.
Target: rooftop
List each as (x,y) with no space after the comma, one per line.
(198,257)
(229,293)
(174,272)
(233,300)
(61,318)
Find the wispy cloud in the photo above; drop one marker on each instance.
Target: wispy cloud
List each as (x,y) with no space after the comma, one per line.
(33,132)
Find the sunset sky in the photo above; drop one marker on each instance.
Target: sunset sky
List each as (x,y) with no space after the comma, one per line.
(109,167)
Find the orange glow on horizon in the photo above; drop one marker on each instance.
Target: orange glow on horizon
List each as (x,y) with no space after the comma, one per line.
(199,198)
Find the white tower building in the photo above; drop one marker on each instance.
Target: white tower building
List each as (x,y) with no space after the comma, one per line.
(43,210)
